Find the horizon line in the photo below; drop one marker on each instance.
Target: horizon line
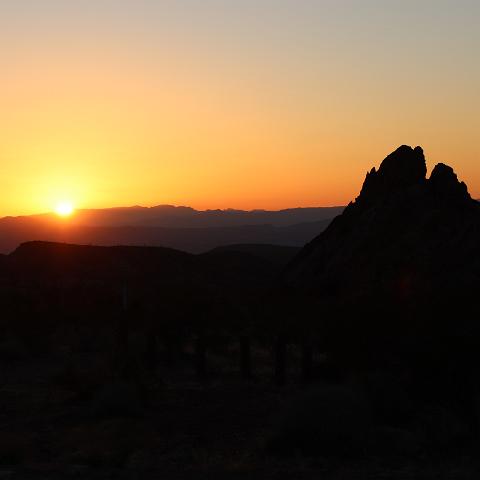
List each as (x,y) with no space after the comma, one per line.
(166,205)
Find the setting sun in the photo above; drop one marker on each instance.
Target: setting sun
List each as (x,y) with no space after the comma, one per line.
(64,209)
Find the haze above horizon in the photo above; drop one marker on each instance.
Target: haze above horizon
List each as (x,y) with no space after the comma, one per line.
(253,104)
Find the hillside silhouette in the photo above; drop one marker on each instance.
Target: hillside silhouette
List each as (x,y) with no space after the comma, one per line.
(143,269)
(396,278)
(404,233)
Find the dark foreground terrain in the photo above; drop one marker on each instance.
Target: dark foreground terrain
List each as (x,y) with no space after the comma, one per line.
(59,420)
(355,357)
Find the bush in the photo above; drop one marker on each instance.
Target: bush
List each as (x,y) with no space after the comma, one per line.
(394,442)
(15,447)
(329,420)
(105,443)
(391,405)
(13,349)
(442,428)
(117,399)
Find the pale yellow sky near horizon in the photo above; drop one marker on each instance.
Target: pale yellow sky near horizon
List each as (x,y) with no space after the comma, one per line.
(223,104)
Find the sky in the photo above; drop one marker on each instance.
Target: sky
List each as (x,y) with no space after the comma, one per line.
(229,104)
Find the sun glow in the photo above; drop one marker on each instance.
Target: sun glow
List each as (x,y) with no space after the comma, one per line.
(64,209)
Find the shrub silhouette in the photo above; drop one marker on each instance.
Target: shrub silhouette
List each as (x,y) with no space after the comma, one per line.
(117,399)
(327,420)
(13,348)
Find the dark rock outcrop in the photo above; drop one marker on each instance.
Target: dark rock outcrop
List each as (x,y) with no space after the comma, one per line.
(400,266)
(401,230)
(394,279)
(444,184)
(404,168)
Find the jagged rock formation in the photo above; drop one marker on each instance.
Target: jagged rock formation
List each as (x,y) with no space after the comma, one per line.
(390,288)
(405,168)
(404,233)
(444,184)
(398,272)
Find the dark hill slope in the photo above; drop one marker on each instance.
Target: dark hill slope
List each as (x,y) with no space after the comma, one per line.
(277,255)
(139,267)
(59,260)
(45,285)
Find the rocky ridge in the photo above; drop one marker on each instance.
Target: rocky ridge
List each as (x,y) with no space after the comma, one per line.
(405,234)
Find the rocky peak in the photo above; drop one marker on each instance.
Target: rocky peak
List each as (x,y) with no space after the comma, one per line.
(401,222)
(404,167)
(400,170)
(445,184)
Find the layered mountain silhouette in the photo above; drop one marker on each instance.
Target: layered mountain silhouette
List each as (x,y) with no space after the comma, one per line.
(174,227)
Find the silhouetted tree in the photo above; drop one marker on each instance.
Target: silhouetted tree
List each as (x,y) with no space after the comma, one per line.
(280,355)
(151,353)
(307,361)
(246,357)
(201,356)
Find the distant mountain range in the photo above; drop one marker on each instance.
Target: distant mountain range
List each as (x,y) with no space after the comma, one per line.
(183,228)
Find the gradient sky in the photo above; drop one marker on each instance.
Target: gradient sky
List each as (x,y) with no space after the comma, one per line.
(216,104)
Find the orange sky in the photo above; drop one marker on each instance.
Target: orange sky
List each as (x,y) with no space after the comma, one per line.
(264,105)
